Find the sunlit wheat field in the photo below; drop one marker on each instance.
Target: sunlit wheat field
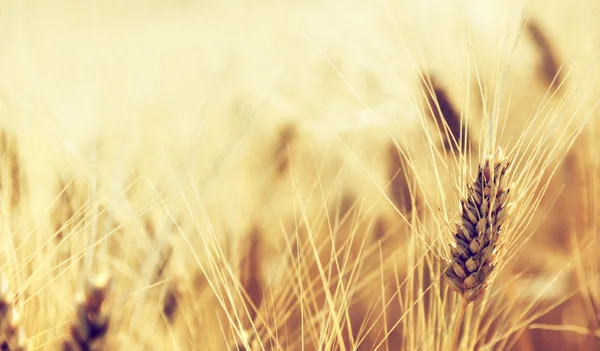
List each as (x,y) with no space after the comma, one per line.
(299,175)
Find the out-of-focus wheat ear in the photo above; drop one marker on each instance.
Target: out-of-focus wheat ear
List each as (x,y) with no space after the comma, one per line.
(286,136)
(16,174)
(549,69)
(165,255)
(92,321)
(483,211)
(11,175)
(13,335)
(446,117)
(62,211)
(149,227)
(3,148)
(171,300)
(251,281)
(251,276)
(405,198)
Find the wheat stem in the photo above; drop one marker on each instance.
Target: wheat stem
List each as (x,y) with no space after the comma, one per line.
(458,325)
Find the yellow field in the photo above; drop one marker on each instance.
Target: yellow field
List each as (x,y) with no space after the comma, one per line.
(272,175)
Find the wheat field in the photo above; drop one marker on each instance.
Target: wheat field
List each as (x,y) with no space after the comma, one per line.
(299,175)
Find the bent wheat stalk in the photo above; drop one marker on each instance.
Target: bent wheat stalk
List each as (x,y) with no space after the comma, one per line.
(473,250)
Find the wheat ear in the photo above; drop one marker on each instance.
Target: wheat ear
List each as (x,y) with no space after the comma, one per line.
(473,250)
(13,336)
(91,323)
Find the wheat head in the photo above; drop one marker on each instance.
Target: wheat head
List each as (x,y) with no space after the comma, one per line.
(483,211)
(91,324)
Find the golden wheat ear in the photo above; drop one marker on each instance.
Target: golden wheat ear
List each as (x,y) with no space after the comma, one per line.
(483,212)
(13,336)
(91,323)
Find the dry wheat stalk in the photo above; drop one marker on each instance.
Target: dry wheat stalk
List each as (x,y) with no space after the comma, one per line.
(91,323)
(483,212)
(13,336)
(250,339)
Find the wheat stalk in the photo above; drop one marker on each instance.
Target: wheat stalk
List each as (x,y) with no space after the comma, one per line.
(483,212)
